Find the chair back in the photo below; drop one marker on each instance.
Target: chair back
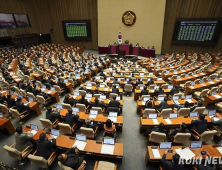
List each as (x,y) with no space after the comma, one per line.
(166,112)
(184,112)
(112,94)
(4,108)
(199,109)
(15,113)
(103,165)
(128,88)
(64,167)
(96,96)
(204,93)
(12,152)
(46,123)
(99,109)
(182,138)
(40,99)
(66,106)
(82,92)
(65,128)
(31,95)
(38,161)
(57,88)
(178,94)
(157,137)
(208,135)
(82,107)
(146,112)
(88,132)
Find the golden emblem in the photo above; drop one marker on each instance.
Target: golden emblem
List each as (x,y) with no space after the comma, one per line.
(129,18)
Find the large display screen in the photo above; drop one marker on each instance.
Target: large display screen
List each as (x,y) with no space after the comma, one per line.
(77,30)
(197,31)
(7,21)
(22,20)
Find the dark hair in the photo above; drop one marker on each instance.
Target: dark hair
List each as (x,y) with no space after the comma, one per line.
(49,109)
(144,88)
(202,116)
(60,158)
(183,126)
(161,126)
(114,86)
(186,104)
(176,158)
(96,100)
(114,97)
(19,129)
(108,123)
(165,99)
(70,111)
(200,103)
(42,136)
(149,104)
(19,99)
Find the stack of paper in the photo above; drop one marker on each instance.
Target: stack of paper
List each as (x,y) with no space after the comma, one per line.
(33,132)
(107,149)
(80,145)
(156,153)
(92,116)
(106,89)
(219,149)
(186,153)
(143,103)
(190,100)
(155,121)
(211,82)
(113,119)
(168,121)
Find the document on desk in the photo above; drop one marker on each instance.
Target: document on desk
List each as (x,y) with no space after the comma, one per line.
(155,121)
(217,96)
(186,153)
(107,149)
(33,132)
(80,145)
(211,82)
(106,89)
(168,121)
(202,73)
(49,91)
(156,153)
(92,116)
(113,119)
(3,92)
(190,100)
(143,103)
(219,149)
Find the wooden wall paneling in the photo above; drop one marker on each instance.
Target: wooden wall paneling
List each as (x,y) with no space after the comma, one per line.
(189,9)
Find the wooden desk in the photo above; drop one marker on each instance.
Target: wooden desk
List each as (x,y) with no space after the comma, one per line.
(91,148)
(213,152)
(5,123)
(148,123)
(212,99)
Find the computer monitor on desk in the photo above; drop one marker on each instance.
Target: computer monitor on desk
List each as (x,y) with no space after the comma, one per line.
(93,112)
(59,106)
(193,114)
(55,132)
(152,116)
(212,112)
(188,97)
(165,145)
(75,110)
(195,144)
(109,141)
(173,115)
(34,127)
(81,137)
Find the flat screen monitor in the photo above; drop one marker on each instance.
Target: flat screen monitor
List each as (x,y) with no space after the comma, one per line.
(55,132)
(145,99)
(76,93)
(88,95)
(160,98)
(197,31)
(193,114)
(175,98)
(173,115)
(34,127)
(31,99)
(109,141)
(79,30)
(22,20)
(102,96)
(7,21)
(75,109)
(113,114)
(152,116)
(165,145)
(58,106)
(1,115)
(188,97)
(212,112)
(195,144)
(93,112)
(81,137)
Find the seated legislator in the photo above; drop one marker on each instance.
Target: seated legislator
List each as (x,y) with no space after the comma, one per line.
(182,129)
(115,90)
(44,146)
(69,100)
(114,102)
(88,124)
(10,101)
(139,81)
(22,139)
(116,81)
(144,91)
(200,125)
(199,104)
(52,115)
(84,101)
(175,90)
(163,105)
(109,128)
(97,103)
(70,118)
(71,158)
(172,165)
(160,128)
(20,106)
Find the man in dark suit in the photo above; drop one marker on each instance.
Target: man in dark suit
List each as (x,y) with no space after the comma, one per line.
(163,104)
(172,165)
(139,81)
(115,90)
(44,146)
(114,102)
(28,88)
(88,124)
(71,158)
(200,125)
(175,90)
(115,81)
(182,129)
(20,106)
(144,91)
(52,115)
(84,101)
(22,139)
(98,104)
(70,118)
(35,91)
(10,101)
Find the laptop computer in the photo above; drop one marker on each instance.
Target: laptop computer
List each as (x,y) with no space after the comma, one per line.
(170,87)
(201,81)
(118,98)
(55,133)
(43,87)
(192,84)
(159,79)
(88,95)
(173,115)
(89,85)
(175,99)
(165,145)
(193,114)
(75,109)
(52,89)
(97,78)
(141,87)
(113,116)
(178,77)
(152,116)
(109,141)
(76,93)
(141,74)
(34,127)
(65,81)
(59,106)
(103,97)
(212,112)
(150,74)
(145,99)
(81,137)
(195,144)
(102,86)
(188,97)
(93,113)
(20,96)
(31,99)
